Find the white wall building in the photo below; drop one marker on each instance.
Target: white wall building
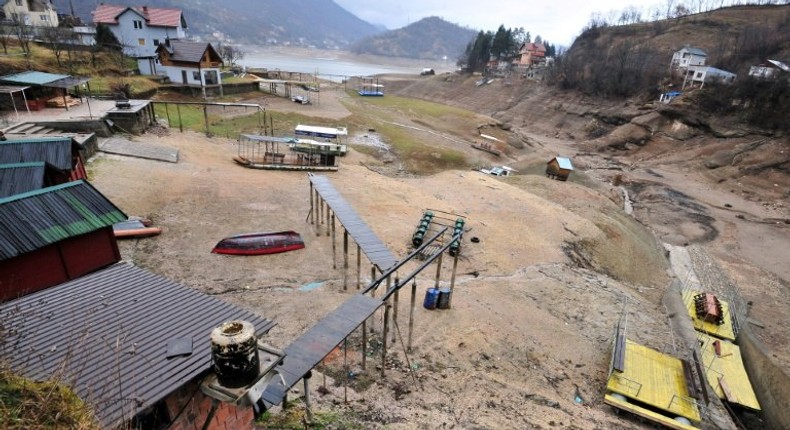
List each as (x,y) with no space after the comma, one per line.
(707,74)
(688,57)
(35,13)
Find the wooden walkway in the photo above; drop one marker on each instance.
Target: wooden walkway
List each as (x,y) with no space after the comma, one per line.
(378,253)
(309,349)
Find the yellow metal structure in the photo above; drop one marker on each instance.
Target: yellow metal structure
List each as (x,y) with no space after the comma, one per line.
(646,413)
(724,331)
(655,379)
(726,373)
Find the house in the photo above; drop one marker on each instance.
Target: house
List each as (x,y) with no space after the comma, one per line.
(688,57)
(191,64)
(35,13)
(51,235)
(132,345)
(559,168)
(707,74)
(531,54)
(141,29)
(769,70)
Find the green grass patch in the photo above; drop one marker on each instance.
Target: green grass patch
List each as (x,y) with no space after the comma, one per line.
(25,404)
(294,417)
(414,107)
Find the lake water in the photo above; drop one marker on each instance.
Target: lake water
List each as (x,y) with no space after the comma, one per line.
(326,64)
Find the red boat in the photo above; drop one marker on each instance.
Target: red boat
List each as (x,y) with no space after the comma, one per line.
(259,243)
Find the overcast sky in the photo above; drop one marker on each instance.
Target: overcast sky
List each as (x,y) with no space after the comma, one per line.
(557,21)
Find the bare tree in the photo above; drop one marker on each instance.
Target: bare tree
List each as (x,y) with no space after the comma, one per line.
(24,33)
(6,31)
(58,39)
(230,54)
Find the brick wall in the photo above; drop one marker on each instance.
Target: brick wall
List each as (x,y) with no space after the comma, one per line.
(188,407)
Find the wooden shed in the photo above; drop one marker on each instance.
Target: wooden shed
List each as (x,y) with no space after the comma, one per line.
(559,168)
(54,234)
(60,154)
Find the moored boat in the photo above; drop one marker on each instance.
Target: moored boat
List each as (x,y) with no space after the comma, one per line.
(259,243)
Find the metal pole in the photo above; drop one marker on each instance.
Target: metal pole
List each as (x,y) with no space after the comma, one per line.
(345,370)
(205,118)
(180,122)
(312,206)
(411,312)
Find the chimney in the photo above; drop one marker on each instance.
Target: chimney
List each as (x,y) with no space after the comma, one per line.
(234,353)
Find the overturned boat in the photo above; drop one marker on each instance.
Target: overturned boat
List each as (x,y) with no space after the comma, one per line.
(259,243)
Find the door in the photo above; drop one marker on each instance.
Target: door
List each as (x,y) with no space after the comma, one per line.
(184,77)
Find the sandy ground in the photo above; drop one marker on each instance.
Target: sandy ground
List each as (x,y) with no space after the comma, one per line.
(527,343)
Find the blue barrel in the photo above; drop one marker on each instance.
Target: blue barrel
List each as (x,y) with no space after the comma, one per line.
(444,299)
(431,298)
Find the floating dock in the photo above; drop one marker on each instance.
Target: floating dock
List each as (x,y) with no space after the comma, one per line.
(726,374)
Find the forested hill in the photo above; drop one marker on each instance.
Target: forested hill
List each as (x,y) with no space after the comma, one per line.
(429,38)
(318,23)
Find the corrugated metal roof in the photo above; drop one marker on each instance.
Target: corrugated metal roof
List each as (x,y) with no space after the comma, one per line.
(695,51)
(780,65)
(109,332)
(565,163)
(32,78)
(55,151)
(35,219)
(154,16)
(20,178)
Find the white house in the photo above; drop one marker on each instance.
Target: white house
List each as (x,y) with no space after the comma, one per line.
(768,70)
(190,64)
(688,57)
(707,74)
(35,13)
(141,29)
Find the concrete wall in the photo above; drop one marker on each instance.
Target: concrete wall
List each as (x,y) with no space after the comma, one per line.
(770,382)
(188,407)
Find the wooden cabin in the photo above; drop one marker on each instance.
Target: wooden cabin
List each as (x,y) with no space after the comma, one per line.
(559,168)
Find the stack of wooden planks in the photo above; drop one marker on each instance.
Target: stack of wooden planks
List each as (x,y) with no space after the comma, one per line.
(60,102)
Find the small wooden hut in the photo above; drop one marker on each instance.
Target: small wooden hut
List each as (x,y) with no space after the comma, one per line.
(559,168)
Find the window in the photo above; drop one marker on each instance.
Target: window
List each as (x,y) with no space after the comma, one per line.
(44,17)
(19,2)
(196,76)
(156,42)
(699,75)
(141,42)
(138,24)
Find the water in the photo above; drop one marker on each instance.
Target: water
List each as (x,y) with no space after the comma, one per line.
(326,64)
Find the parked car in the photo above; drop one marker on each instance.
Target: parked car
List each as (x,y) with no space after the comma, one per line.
(427,71)
(300,99)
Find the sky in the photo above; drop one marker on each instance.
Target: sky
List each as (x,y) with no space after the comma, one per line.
(557,21)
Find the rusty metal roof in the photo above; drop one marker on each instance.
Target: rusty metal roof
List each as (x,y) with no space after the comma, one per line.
(35,219)
(20,178)
(55,151)
(107,333)
(154,16)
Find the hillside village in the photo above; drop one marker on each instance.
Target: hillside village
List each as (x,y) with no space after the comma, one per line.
(609,276)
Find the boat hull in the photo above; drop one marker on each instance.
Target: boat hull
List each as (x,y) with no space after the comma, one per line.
(259,243)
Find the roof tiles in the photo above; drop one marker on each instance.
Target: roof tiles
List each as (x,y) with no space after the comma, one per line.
(154,16)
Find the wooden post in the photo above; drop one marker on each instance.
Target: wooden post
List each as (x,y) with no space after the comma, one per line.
(167,113)
(328,212)
(312,206)
(438,270)
(345,260)
(452,281)
(345,370)
(180,121)
(359,267)
(307,406)
(334,244)
(411,312)
(387,307)
(364,344)
(395,309)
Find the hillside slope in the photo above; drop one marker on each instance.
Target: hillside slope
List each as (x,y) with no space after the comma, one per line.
(429,38)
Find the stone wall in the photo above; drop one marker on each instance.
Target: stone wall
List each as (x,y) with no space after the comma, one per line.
(189,408)
(770,382)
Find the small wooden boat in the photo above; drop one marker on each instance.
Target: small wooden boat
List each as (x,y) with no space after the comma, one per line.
(259,243)
(134,228)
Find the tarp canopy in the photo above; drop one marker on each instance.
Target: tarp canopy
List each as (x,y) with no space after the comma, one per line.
(32,78)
